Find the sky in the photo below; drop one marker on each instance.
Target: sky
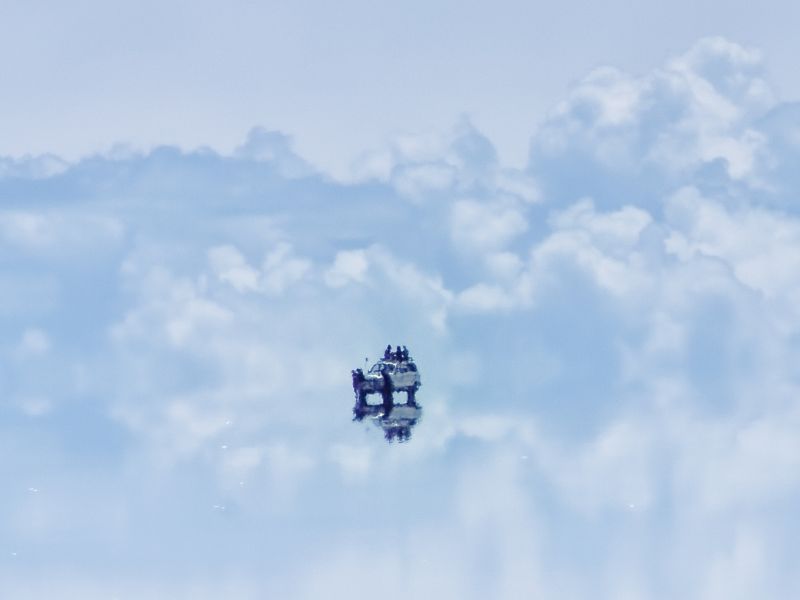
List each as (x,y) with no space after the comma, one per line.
(581,220)
(341,77)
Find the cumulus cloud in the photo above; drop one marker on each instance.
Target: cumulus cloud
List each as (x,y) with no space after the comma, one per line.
(760,245)
(698,113)
(481,226)
(35,342)
(349,265)
(279,270)
(607,342)
(274,148)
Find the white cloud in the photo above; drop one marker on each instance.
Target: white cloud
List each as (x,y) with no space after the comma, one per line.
(482,297)
(275,148)
(415,180)
(35,407)
(59,233)
(763,247)
(349,265)
(738,573)
(192,425)
(614,232)
(355,462)
(736,464)
(428,168)
(230,266)
(486,227)
(243,460)
(424,290)
(605,245)
(35,342)
(699,108)
(613,471)
(177,308)
(38,167)
(280,269)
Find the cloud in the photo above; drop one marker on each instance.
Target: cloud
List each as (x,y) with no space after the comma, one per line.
(646,134)
(230,266)
(606,246)
(482,226)
(58,233)
(423,168)
(760,245)
(279,270)
(275,148)
(354,462)
(35,342)
(349,265)
(606,339)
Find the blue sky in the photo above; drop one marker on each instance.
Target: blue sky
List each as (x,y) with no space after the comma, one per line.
(605,322)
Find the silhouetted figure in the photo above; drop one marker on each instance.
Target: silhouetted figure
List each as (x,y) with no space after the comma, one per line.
(400,433)
(386,393)
(405,353)
(358,377)
(387,355)
(411,396)
(360,409)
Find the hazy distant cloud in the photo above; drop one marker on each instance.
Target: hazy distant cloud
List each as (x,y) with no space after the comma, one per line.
(34,343)
(275,148)
(59,233)
(38,167)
